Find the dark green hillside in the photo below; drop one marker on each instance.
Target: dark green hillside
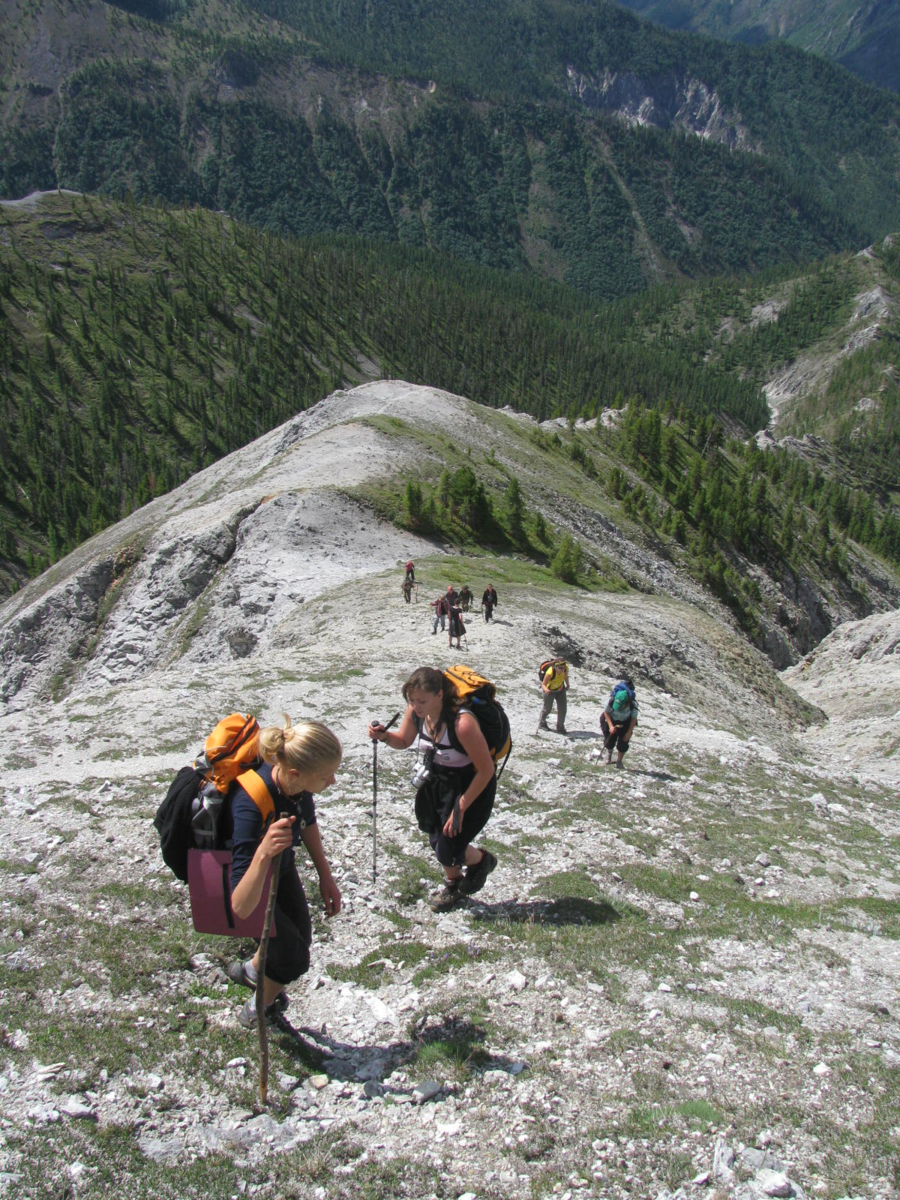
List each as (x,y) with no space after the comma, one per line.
(137,345)
(455,127)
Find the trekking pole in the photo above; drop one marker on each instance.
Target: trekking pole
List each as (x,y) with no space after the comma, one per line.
(393,720)
(261,984)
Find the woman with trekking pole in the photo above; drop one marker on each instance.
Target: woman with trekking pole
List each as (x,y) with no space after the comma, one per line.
(455,780)
(299,762)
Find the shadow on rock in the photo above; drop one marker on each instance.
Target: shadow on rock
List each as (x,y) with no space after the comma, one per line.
(567,910)
(435,1041)
(663,776)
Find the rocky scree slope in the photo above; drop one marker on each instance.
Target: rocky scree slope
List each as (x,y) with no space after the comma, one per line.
(228,565)
(681,977)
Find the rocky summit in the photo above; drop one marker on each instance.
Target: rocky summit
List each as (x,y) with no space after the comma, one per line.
(680,981)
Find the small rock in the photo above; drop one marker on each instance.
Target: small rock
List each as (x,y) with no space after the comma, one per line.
(426,1090)
(774,1183)
(517,1068)
(694,896)
(467,1196)
(517,981)
(763,860)
(664,987)
(701,1179)
(235,1062)
(372,1088)
(76,1108)
(318,1082)
(821,1069)
(723,1162)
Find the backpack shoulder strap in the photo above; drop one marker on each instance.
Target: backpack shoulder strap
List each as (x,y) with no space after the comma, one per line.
(257,789)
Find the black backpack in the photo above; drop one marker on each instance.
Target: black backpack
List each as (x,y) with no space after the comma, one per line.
(173,820)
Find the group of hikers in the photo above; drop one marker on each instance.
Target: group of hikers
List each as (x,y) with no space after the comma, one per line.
(455,777)
(451,605)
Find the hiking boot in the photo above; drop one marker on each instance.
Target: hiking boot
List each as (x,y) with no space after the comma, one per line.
(247,1015)
(446,897)
(237,973)
(476,877)
(560,729)
(543,725)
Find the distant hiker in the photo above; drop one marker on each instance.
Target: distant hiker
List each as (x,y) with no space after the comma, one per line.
(465,597)
(410,572)
(619,719)
(406,587)
(489,602)
(457,627)
(554,677)
(456,780)
(301,761)
(440,607)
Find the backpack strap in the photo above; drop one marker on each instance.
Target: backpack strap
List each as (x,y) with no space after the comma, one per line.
(257,789)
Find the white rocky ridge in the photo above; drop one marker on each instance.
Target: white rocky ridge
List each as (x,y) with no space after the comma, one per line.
(640,1000)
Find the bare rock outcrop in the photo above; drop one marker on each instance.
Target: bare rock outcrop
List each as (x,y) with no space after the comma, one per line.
(667,101)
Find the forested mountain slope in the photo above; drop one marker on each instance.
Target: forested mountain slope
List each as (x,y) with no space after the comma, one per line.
(571,140)
(139,345)
(863,37)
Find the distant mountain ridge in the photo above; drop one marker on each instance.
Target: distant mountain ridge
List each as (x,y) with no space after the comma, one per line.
(574,141)
(865,37)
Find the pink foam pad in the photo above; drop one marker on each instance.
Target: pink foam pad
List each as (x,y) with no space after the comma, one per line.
(209,882)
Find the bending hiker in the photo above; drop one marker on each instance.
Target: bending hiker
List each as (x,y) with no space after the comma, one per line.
(554,676)
(457,628)
(456,780)
(301,760)
(619,719)
(489,602)
(410,572)
(440,607)
(406,587)
(465,597)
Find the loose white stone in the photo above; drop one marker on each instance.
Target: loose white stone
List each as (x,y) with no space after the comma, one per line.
(426,1090)
(517,981)
(773,1183)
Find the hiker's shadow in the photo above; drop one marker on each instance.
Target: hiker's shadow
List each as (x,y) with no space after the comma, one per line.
(662,776)
(436,1040)
(498,621)
(566,910)
(582,734)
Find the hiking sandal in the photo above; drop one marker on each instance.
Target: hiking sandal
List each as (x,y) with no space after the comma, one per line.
(247,1015)
(237,973)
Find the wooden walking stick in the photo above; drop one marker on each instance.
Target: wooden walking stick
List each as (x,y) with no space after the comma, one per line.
(261,984)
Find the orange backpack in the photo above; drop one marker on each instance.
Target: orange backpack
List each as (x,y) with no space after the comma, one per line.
(231,752)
